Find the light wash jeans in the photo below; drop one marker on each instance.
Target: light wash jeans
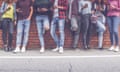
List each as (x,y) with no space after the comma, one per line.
(101,29)
(113,24)
(42,21)
(22,30)
(60,23)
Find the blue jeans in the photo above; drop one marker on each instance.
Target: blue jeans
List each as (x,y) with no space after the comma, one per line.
(113,24)
(101,29)
(42,21)
(7,29)
(23,27)
(61,23)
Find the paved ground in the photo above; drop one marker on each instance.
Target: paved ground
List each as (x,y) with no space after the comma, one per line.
(68,52)
(71,61)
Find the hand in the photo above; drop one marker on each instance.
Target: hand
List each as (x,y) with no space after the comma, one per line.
(55,7)
(15,22)
(46,27)
(43,9)
(29,18)
(18,10)
(85,6)
(112,6)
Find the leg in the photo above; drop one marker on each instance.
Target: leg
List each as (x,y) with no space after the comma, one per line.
(62,35)
(101,29)
(61,31)
(101,26)
(19,35)
(46,23)
(76,25)
(53,32)
(40,30)
(116,32)
(115,29)
(26,32)
(110,25)
(85,29)
(100,39)
(10,37)
(4,33)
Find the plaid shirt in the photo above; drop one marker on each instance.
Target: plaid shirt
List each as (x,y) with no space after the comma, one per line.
(64,4)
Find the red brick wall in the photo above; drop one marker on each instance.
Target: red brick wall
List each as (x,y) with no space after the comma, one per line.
(49,43)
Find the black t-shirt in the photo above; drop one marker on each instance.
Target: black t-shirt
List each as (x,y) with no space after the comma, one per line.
(42,4)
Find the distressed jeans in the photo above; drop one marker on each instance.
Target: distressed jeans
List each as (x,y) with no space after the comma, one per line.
(42,21)
(23,27)
(101,29)
(60,23)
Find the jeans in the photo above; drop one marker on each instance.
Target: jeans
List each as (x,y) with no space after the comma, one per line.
(42,21)
(75,28)
(101,29)
(60,23)
(113,24)
(7,29)
(23,27)
(86,25)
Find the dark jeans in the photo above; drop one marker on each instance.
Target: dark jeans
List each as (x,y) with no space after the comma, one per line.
(75,28)
(7,29)
(86,27)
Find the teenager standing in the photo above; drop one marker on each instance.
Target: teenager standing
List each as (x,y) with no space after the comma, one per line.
(24,9)
(113,20)
(59,16)
(42,12)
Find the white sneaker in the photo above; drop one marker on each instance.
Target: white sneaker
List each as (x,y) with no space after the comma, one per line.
(42,50)
(23,49)
(111,48)
(56,49)
(116,49)
(17,49)
(61,50)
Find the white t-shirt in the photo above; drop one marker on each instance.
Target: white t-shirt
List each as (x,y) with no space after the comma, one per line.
(56,13)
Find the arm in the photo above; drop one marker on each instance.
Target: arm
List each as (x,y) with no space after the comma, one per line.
(104,19)
(79,7)
(3,7)
(31,12)
(64,6)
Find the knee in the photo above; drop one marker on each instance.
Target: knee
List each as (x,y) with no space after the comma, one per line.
(115,32)
(104,28)
(52,32)
(74,28)
(61,31)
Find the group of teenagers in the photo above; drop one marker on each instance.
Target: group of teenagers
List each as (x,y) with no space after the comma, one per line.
(52,14)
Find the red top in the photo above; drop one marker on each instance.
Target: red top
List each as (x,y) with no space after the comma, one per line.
(64,4)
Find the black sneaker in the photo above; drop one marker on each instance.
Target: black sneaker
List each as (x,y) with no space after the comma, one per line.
(10,48)
(100,48)
(6,48)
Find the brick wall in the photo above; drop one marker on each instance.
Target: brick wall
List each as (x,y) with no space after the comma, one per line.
(49,43)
